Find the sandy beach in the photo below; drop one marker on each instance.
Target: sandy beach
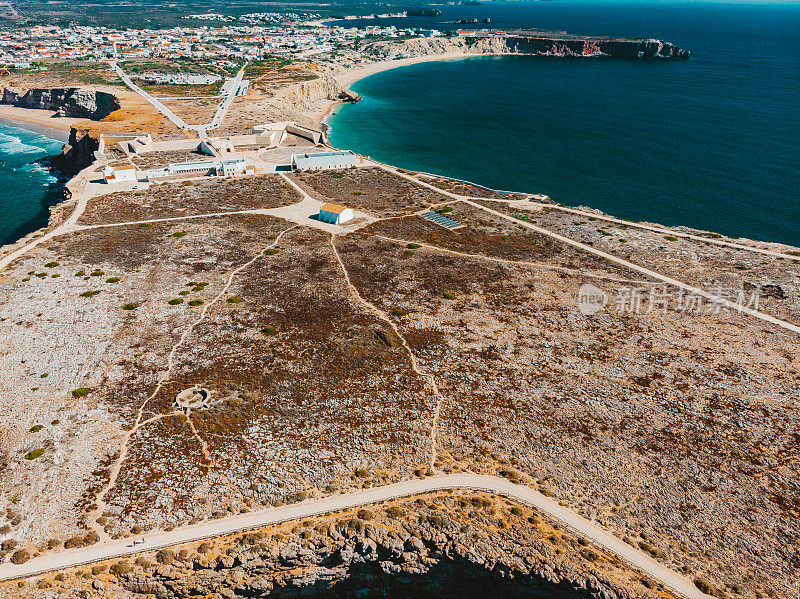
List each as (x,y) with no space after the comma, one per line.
(40,118)
(350,76)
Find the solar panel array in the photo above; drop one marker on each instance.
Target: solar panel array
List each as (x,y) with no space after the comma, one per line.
(445,222)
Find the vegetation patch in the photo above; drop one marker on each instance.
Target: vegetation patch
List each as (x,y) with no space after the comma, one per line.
(89,293)
(179,234)
(269,330)
(175,302)
(270,251)
(80,392)
(36,453)
(51,264)
(112,280)
(36,428)
(670,238)
(235,299)
(196,302)
(130,306)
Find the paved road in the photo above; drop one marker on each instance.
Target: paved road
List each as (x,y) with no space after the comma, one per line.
(179,122)
(202,130)
(226,101)
(315,507)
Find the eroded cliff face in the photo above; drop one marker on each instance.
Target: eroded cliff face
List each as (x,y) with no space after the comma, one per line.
(544,45)
(65,101)
(451,545)
(77,153)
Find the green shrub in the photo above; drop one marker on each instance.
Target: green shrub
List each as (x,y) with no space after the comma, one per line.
(175,302)
(130,306)
(358,193)
(20,556)
(269,330)
(448,295)
(51,264)
(395,512)
(80,392)
(80,273)
(413,246)
(399,312)
(36,428)
(165,556)
(446,209)
(504,237)
(196,302)
(55,276)
(44,375)
(234,299)
(55,422)
(270,251)
(184,292)
(36,453)
(670,238)
(179,234)
(97,273)
(145,225)
(89,293)
(408,253)
(121,568)
(113,280)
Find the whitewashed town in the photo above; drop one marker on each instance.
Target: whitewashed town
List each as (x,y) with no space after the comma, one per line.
(24,48)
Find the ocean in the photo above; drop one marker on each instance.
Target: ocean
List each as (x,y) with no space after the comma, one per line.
(27,188)
(712,142)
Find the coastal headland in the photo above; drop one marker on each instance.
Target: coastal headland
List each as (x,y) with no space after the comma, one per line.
(610,414)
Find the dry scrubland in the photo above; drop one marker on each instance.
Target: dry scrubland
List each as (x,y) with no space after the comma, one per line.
(678,431)
(187,198)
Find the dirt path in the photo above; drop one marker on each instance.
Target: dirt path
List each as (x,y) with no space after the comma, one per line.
(315,507)
(115,469)
(564,269)
(414,364)
(718,301)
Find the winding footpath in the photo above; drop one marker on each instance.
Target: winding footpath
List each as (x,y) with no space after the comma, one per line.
(334,503)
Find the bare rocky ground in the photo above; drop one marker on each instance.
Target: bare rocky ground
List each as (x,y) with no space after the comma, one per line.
(677,430)
(446,545)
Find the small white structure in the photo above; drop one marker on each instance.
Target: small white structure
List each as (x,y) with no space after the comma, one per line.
(335,214)
(324,161)
(126,172)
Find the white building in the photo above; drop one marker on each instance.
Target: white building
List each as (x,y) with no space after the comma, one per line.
(324,161)
(335,214)
(202,168)
(126,172)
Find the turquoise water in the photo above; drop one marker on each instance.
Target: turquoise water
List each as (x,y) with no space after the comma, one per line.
(712,143)
(27,188)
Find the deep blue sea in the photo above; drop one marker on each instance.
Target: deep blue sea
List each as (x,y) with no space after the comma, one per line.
(712,142)
(27,189)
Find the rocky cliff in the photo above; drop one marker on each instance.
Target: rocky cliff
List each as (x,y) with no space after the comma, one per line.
(535,44)
(459,546)
(77,153)
(65,101)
